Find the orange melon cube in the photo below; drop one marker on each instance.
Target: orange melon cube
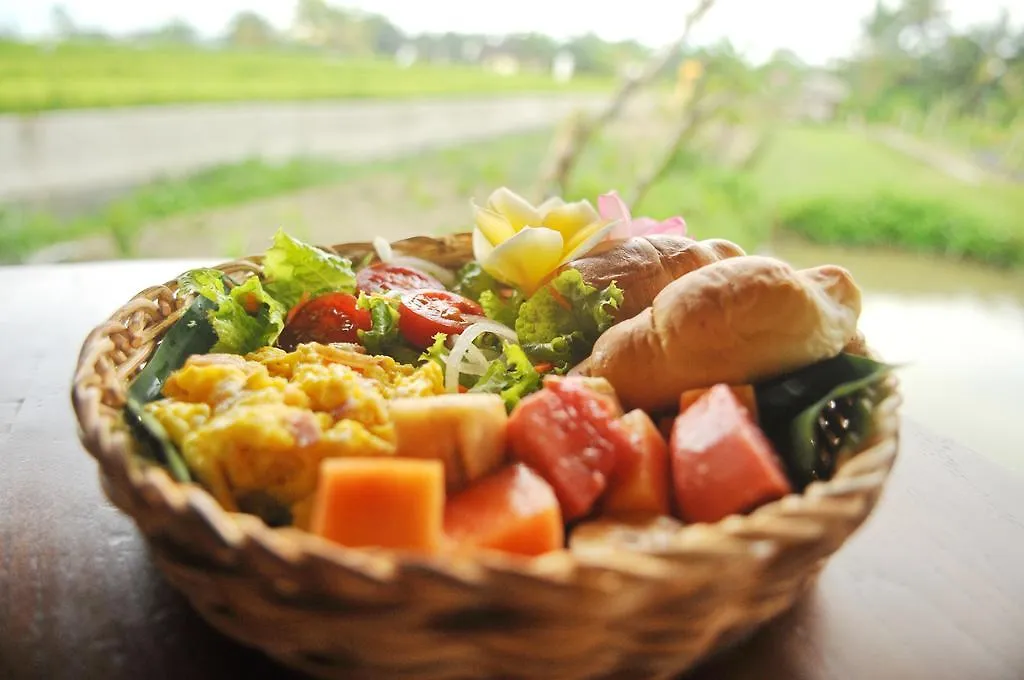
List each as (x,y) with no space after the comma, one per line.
(513,510)
(743,393)
(393,503)
(640,482)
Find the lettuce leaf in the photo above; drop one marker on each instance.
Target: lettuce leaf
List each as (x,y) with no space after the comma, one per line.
(437,352)
(562,321)
(247,318)
(383,331)
(292,268)
(504,310)
(512,376)
(384,336)
(472,281)
(244,318)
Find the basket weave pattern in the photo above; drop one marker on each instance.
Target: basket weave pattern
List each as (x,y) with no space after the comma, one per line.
(339,613)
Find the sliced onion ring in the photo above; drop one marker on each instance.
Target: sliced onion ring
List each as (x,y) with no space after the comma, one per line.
(427,267)
(383,248)
(463,343)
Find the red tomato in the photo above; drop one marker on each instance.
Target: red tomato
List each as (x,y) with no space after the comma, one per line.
(328,318)
(425,313)
(572,437)
(382,277)
(722,464)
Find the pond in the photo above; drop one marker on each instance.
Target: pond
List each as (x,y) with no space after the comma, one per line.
(959,330)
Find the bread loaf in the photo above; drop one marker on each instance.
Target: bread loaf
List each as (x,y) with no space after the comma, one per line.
(735,321)
(642,265)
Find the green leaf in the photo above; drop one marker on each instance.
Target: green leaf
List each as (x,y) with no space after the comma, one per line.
(512,376)
(790,407)
(154,440)
(567,310)
(383,331)
(504,310)
(438,352)
(247,318)
(190,334)
(292,268)
(209,283)
(472,281)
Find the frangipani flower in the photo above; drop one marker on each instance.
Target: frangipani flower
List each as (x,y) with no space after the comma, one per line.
(612,207)
(521,244)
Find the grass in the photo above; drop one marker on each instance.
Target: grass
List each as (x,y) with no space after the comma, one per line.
(832,185)
(509,160)
(23,232)
(823,184)
(88,75)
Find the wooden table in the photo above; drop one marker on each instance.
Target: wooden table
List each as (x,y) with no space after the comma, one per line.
(931,588)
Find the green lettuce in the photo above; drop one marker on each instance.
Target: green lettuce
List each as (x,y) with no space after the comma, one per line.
(384,336)
(504,310)
(512,376)
(472,281)
(245,318)
(438,352)
(561,322)
(292,268)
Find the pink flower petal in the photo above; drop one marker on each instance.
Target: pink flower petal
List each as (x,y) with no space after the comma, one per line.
(612,207)
(674,226)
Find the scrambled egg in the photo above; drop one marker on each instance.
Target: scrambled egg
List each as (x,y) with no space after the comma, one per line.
(257,427)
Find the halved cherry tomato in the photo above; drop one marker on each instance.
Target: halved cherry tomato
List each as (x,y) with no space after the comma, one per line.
(328,318)
(382,277)
(425,313)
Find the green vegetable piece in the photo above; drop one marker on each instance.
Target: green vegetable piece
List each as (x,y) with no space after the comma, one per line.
(154,440)
(383,337)
(292,268)
(190,334)
(437,352)
(815,415)
(247,318)
(501,309)
(472,281)
(512,376)
(569,311)
(383,331)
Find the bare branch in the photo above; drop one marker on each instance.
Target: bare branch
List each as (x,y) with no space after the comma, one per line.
(689,124)
(568,146)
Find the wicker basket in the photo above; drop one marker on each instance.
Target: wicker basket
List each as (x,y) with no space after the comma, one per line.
(341,613)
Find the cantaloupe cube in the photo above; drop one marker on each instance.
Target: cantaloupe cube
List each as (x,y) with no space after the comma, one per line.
(743,393)
(513,510)
(640,482)
(381,502)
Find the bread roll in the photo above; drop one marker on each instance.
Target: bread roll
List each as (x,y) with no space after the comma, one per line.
(642,265)
(736,321)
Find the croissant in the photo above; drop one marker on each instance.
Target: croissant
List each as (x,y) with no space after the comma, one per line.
(736,321)
(642,265)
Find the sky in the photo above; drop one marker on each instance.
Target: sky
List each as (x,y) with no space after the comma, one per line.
(817,30)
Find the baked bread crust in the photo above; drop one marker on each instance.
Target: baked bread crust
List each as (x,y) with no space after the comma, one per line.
(643,265)
(735,321)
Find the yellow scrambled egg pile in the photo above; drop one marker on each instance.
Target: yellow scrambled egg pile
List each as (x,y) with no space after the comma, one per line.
(257,427)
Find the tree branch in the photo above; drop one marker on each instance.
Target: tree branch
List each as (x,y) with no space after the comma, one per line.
(569,145)
(689,124)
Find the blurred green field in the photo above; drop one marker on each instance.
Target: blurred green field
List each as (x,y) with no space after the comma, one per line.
(89,75)
(829,185)
(834,186)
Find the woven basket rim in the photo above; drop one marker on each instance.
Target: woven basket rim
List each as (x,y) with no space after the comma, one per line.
(793,522)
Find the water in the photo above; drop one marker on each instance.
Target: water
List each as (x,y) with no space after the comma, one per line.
(960,330)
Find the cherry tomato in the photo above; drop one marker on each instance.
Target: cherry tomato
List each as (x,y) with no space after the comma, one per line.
(424,313)
(382,277)
(328,318)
